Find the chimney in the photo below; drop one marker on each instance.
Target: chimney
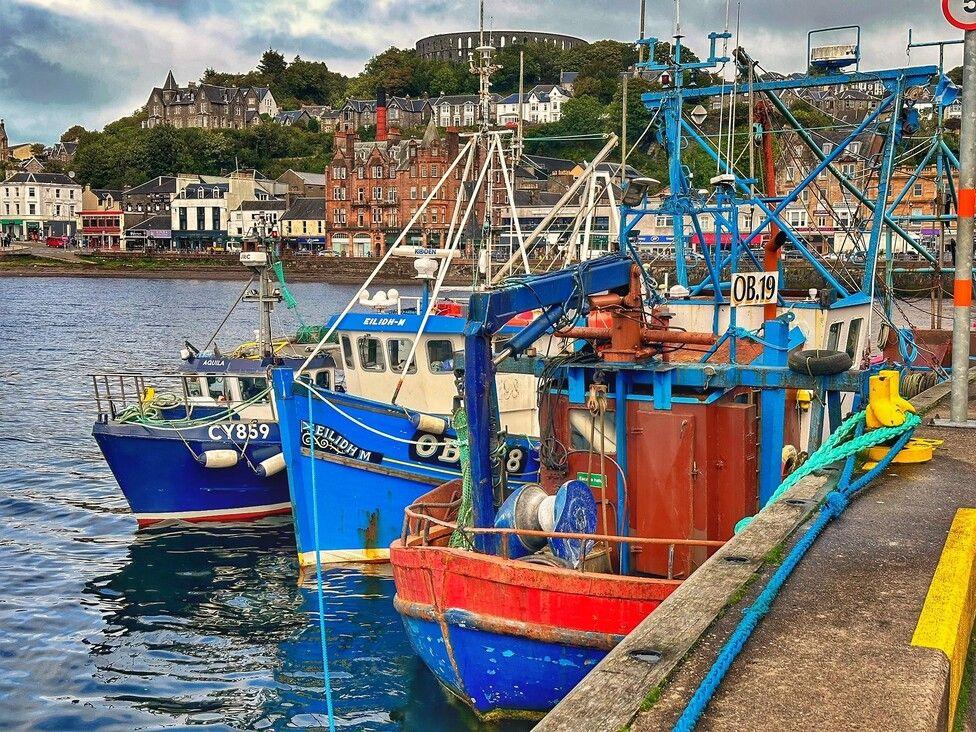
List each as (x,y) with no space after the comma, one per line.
(381,130)
(451,136)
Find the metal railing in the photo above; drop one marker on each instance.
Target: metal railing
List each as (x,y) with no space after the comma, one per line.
(422,529)
(116,392)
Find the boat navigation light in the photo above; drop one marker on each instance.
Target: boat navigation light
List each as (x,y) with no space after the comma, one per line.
(698,114)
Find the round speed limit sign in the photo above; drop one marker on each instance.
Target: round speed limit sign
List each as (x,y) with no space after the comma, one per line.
(961,13)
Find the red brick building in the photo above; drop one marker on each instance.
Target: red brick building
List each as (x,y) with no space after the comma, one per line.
(374,188)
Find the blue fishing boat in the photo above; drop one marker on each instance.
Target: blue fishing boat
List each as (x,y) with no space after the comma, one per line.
(201,444)
(373,458)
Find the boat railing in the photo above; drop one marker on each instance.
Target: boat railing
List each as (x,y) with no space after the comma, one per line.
(122,391)
(422,529)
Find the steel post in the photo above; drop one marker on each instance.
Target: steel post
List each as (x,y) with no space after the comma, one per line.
(962,291)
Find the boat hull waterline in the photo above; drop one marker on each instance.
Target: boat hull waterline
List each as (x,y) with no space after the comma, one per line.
(510,639)
(163,481)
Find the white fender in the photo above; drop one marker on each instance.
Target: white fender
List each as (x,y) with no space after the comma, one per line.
(271,466)
(218,458)
(547,513)
(429,423)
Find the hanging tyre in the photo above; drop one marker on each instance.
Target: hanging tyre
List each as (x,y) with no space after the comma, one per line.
(819,363)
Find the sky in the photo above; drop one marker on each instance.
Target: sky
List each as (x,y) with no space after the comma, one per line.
(88,62)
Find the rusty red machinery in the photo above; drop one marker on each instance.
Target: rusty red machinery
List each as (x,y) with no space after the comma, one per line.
(623,332)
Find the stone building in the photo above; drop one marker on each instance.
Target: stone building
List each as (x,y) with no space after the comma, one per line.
(461,110)
(4,145)
(375,187)
(401,112)
(207,106)
(303,185)
(456,46)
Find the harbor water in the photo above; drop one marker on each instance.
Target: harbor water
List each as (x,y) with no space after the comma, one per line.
(109,628)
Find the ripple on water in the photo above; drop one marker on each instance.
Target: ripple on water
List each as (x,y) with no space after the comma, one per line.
(104,628)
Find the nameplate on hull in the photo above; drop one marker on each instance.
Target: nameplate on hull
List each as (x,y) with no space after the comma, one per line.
(330,441)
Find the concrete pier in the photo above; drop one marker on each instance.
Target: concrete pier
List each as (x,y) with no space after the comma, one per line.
(836,650)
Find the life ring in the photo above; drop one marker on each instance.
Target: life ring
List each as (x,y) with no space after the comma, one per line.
(819,363)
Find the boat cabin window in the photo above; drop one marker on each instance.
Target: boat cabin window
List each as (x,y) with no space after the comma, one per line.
(833,336)
(323,379)
(252,386)
(371,354)
(193,388)
(398,350)
(853,335)
(218,388)
(440,356)
(347,352)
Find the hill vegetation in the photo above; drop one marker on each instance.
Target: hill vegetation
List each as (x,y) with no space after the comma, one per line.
(125,153)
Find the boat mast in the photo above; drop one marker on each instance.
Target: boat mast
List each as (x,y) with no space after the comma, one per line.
(266,295)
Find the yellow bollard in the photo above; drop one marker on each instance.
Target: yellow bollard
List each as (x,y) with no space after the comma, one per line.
(886,406)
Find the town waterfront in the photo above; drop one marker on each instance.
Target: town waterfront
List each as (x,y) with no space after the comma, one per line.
(107,628)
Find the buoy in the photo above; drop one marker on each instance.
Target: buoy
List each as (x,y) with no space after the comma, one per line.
(218,458)
(271,466)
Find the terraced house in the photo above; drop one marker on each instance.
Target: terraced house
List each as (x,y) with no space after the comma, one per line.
(208,106)
(36,205)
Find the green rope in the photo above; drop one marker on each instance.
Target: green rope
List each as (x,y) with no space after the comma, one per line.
(835,448)
(290,302)
(149,414)
(465,517)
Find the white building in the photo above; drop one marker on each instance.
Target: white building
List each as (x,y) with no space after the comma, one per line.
(200,214)
(266,101)
(543,104)
(461,110)
(256,218)
(37,205)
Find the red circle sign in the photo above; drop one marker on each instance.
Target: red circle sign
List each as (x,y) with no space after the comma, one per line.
(960,13)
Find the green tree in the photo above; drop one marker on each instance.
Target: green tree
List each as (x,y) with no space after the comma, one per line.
(75,132)
(272,64)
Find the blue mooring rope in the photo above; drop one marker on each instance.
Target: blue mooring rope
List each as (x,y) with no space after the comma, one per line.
(834,504)
(326,676)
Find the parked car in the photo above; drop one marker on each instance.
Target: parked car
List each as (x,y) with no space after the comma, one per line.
(59,242)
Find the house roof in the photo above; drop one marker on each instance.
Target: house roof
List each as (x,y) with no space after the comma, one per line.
(170,82)
(49,178)
(314,179)
(291,116)
(193,190)
(568,77)
(161,184)
(306,209)
(104,193)
(550,165)
(273,205)
(159,221)
(614,170)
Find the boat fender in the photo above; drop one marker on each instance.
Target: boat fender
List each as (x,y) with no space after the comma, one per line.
(428,423)
(819,363)
(218,458)
(271,466)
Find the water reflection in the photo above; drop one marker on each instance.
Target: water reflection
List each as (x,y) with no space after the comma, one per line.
(209,626)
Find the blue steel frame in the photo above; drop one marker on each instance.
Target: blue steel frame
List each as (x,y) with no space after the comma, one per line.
(684,201)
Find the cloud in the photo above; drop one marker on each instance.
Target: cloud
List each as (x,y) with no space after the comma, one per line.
(91,61)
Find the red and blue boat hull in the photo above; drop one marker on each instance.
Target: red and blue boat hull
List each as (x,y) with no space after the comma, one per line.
(510,638)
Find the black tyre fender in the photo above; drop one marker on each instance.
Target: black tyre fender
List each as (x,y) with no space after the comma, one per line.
(819,363)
